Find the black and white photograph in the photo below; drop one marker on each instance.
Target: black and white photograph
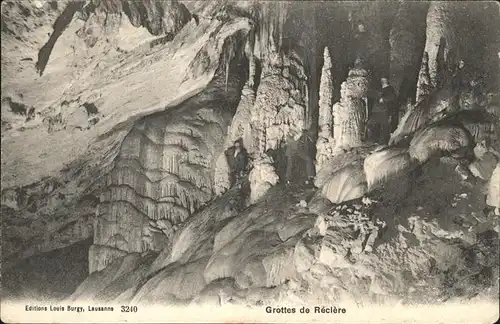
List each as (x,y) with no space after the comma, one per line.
(225,161)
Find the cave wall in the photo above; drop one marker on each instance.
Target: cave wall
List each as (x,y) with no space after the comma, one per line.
(164,171)
(63,128)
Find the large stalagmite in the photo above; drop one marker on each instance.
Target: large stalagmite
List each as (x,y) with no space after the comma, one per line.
(424,87)
(441,42)
(280,106)
(436,90)
(325,143)
(351,112)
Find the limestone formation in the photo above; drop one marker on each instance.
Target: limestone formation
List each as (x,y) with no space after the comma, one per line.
(385,164)
(277,108)
(348,250)
(438,139)
(434,106)
(351,112)
(280,103)
(346,184)
(159,17)
(424,87)
(262,177)
(441,43)
(326,97)
(241,128)
(325,142)
(162,173)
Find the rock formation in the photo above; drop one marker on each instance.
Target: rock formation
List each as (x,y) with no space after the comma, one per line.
(116,115)
(278,106)
(424,87)
(326,142)
(162,174)
(441,42)
(241,128)
(351,112)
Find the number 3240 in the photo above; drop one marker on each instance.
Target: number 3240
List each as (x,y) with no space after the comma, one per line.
(129,309)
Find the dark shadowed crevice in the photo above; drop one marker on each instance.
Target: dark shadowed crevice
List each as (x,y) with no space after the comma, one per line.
(15,107)
(90,108)
(61,23)
(54,274)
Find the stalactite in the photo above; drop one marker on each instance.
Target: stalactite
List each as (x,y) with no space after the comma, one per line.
(278,106)
(250,54)
(234,49)
(271,18)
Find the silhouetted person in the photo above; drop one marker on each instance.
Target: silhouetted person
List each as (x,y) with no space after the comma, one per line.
(237,158)
(378,124)
(461,77)
(389,99)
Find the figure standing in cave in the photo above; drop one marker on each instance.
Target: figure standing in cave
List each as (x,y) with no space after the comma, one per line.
(237,158)
(377,125)
(299,154)
(389,99)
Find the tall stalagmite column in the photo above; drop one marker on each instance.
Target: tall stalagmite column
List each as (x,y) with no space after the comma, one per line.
(325,142)
(350,113)
(441,42)
(281,97)
(279,112)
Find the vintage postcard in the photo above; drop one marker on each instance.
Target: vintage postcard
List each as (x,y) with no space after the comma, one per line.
(175,161)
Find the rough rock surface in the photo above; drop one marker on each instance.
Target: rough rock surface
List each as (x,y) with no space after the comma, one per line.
(163,174)
(115,116)
(326,142)
(240,128)
(82,107)
(352,251)
(351,112)
(441,42)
